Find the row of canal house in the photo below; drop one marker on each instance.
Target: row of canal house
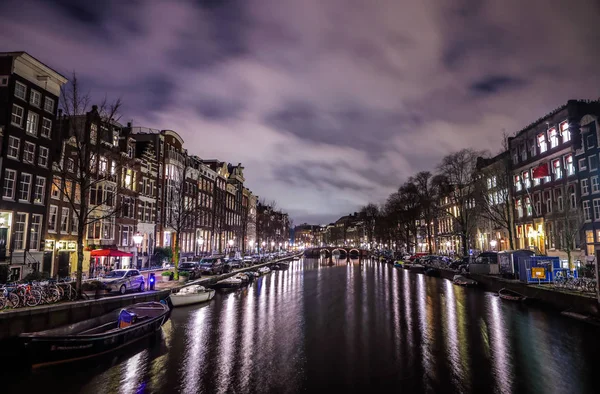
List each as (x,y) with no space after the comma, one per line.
(134,174)
(555,181)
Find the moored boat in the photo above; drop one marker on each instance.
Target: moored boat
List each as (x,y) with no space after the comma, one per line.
(191,295)
(96,336)
(264,270)
(463,281)
(510,295)
(398,264)
(232,281)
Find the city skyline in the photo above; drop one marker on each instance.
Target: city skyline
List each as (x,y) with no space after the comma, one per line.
(328,106)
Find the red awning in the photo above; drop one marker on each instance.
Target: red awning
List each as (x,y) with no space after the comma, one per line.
(110,253)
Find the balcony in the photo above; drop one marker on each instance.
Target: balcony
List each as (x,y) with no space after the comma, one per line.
(175,156)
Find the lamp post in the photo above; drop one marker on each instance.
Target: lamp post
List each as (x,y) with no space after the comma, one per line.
(272,245)
(137,240)
(263,247)
(251,244)
(280,247)
(493,243)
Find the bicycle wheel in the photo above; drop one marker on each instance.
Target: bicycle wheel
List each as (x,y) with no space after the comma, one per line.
(13,301)
(33,298)
(72,293)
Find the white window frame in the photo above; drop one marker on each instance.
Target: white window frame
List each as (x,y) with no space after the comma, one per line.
(36,229)
(585,187)
(33,121)
(553,137)
(21,85)
(542,143)
(20,228)
(64,220)
(13,179)
(582,164)
(595,186)
(58,185)
(29,155)
(587,211)
(43,157)
(46,128)
(25,187)
(39,190)
(557,169)
(590,162)
(32,95)
(51,209)
(11,147)
(20,116)
(569,165)
(596,209)
(49,100)
(564,127)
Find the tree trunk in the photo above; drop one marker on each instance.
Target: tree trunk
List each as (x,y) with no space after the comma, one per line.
(176,256)
(465,247)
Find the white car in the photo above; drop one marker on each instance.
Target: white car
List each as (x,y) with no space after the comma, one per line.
(124,280)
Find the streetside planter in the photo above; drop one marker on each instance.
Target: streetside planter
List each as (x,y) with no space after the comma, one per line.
(166,276)
(93,289)
(184,276)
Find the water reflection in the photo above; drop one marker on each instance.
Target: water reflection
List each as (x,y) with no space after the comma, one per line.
(364,327)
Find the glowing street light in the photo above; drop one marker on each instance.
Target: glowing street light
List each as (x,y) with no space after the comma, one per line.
(137,240)
(493,243)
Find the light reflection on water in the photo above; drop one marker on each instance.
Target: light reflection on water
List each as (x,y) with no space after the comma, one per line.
(367,327)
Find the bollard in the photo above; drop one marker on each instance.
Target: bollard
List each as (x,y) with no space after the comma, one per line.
(151,281)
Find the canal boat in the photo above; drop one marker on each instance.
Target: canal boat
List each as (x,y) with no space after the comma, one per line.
(96,336)
(280,266)
(463,281)
(191,295)
(510,295)
(230,282)
(264,270)
(398,264)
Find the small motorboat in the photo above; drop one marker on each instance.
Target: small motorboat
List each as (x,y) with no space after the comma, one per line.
(191,295)
(96,336)
(463,281)
(432,272)
(264,270)
(244,277)
(398,264)
(232,281)
(510,295)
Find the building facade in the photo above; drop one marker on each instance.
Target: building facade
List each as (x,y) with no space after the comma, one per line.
(29,94)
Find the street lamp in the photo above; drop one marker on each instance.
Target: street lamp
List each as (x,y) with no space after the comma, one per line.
(493,243)
(137,240)
(263,247)
(272,245)
(230,243)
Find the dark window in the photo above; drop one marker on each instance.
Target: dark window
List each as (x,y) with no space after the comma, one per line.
(591,140)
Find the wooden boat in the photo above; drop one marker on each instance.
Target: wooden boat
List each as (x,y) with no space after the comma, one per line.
(191,295)
(463,281)
(229,282)
(510,295)
(96,336)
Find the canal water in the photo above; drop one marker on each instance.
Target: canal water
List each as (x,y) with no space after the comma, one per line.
(368,327)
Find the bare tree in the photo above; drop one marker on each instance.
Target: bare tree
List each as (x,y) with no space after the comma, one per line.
(184,208)
(568,225)
(88,184)
(493,196)
(370,214)
(459,185)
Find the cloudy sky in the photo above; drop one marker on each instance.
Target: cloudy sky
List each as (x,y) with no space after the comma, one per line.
(329,104)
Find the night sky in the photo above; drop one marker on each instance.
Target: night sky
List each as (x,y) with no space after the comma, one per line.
(328,104)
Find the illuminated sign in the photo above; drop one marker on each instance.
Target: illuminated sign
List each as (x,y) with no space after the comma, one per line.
(538,273)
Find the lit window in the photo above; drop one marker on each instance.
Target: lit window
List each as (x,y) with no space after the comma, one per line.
(17,116)
(541,138)
(14,144)
(553,137)
(32,123)
(20,90)
(526,180)
(35,98)
(43,157)
(46,127)
(564,131)
(589,236)
(556,169)
(528,207)
(517,183)
(569,166)
(56,185)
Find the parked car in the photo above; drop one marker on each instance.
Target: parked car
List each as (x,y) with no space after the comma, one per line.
(235,263)
(124,280)
(191,267)
(248,261)
(213,266)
